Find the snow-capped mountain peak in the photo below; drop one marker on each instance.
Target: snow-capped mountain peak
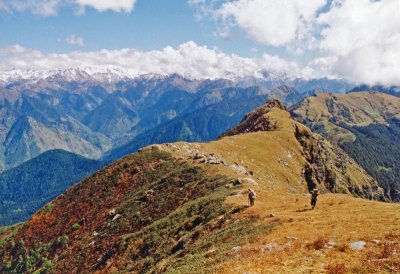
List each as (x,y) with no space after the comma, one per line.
(79,74)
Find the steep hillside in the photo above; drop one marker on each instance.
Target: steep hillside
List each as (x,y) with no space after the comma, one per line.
(366,125)
(26,188)
(181,208)
(30,127)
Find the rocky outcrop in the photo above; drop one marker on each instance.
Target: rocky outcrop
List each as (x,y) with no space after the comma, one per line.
(257,120)
(330,167)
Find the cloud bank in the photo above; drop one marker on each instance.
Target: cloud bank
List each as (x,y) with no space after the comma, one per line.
(358,40)
(188,59)
(354,39)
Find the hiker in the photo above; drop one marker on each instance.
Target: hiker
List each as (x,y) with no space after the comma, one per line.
(252,196)
(314,197)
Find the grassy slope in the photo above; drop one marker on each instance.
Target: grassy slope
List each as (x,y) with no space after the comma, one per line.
(193,224)
(366,125)
(302,238)
(326,111)
(281,192)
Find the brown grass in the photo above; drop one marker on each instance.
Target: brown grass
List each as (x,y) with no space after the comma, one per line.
(318,243)
(347,221)
(336,269)
(389,249)
(343,247)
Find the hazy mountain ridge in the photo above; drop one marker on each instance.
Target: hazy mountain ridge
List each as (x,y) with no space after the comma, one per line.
(90,111)
(391,90)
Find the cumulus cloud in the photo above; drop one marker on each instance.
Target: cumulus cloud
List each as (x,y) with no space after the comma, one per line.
(358,40)
(362,40)
(74,40)
(271,22)
(188,59)
(51,7)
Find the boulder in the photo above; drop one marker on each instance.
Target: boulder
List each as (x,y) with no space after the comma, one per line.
(360,245)
(269,247)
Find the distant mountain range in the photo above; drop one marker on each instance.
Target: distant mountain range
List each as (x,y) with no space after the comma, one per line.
(91,112)
(392,90)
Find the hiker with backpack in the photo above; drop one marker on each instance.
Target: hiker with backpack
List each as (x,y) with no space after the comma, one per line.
(252,196)
(314,197)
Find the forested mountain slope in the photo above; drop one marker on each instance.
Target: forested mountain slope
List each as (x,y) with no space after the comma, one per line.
(26,188)
(366,125)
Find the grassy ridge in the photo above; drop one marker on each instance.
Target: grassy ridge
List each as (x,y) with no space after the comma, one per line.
(144,212)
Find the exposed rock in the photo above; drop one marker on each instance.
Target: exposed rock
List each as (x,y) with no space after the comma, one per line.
(239,169)
(234,183)
(269,247)
(248,181)
(116,217)
(360,245)
(204,158)
(291,238)
(236,249)
(257,120)
(328,165)
(331,244)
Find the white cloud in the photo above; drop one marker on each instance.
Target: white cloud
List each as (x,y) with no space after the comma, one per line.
(51,7)
(354,39)
(38,7)
(271,22)
(188,59)
(104,5)
(364,39)
(75,40)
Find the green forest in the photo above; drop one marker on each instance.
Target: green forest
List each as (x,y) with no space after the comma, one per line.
(377,149)
(26,188)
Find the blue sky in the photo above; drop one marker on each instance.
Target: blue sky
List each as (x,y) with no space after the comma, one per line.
(153,24)
(357,40)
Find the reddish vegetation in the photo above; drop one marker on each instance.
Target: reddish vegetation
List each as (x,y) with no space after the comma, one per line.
(84,227)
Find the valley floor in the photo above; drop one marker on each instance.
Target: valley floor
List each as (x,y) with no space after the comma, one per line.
(319,240)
